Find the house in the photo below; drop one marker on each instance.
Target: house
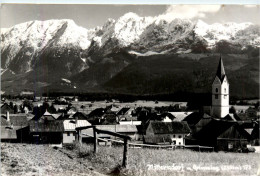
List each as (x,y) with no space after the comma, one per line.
(124,111)
(129,120)
(129,130)
(180,116)
(109,118)
(70,126)
(241,108)
(194,118)
(71,122)
(175,116)
(232,117)
(46,128)
(72,110)
(201,123)
(45,117)
(167,117)
(166,132)
(253,112)
(222,135)
(46,132)
(5,107)
(113,108)
(14,127)
(59,108)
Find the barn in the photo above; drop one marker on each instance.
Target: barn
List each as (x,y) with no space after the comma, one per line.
(129,130)
(70,126)
(166,132)
(14,128)
(223,135)
(47,132)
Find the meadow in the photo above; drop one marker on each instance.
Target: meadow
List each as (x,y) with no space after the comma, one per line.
(28,159)
(156,162)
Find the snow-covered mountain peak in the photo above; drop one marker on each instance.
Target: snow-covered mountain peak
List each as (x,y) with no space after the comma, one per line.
(128,16)
(129,27)
(217,31)
(131,31)
(201,24)
(37,33)
(29,39)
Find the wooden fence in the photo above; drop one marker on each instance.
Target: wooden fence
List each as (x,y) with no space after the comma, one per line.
(97,131)
(127,144)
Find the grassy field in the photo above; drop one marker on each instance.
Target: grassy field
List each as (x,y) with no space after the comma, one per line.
(19,159)
(167,162)
(42,160)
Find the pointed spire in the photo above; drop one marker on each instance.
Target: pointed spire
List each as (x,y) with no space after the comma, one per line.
(220,71)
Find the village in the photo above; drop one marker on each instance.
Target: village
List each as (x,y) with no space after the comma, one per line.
(65,121)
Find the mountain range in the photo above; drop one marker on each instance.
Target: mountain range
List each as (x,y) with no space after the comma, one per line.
(134,55)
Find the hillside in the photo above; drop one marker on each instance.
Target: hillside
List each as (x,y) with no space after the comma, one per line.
(17,159)
(26,159)
(180,73)
(136,55)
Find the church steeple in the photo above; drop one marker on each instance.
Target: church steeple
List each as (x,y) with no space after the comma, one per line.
(220,71)
(220,93)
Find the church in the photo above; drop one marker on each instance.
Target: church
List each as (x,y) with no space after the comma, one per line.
(220,93)
(215,126)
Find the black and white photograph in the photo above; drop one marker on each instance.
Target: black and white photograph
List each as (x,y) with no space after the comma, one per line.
(130,89)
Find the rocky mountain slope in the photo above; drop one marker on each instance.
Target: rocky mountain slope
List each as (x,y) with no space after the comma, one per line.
(40,55)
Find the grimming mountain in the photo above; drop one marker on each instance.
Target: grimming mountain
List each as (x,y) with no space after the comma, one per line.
(133,55)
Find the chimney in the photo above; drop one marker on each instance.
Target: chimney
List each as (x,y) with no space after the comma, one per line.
(7,116)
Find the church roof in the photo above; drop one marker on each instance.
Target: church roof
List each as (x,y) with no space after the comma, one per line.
(221,71)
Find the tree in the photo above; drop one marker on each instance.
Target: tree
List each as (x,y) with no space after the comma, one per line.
(257,104)
(11,104)
(51,109)
(45,106)
(28,104)
(232,110)
(15,109)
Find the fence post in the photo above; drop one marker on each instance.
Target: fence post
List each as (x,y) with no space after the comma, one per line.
(80,138)
(125,153)
(95,139)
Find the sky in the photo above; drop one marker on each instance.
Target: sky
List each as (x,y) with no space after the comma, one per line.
(90,16)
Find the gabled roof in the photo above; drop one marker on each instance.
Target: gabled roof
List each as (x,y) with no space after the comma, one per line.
(50,126)
(216,127)
(80,116)
(194,118)
(123,111)
(5,107)
(180,116)
(65,116)
(97,112)
(45,116)
(70,125)
(118,128)
(15,120)
(127,118)
(230,117)
(47,113)
(169,127)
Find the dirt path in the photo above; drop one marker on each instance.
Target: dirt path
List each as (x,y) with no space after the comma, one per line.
(28,160)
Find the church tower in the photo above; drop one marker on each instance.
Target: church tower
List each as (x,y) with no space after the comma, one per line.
(220,93)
